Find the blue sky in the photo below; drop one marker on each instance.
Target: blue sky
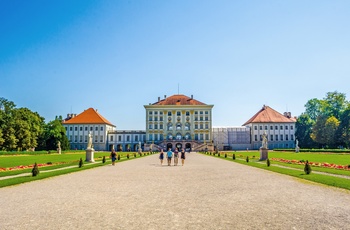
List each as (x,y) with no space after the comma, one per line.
(58,57)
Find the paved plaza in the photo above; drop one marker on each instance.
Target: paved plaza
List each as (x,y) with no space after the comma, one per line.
(206,193)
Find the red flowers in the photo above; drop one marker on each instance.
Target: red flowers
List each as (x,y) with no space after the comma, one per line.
(317,164)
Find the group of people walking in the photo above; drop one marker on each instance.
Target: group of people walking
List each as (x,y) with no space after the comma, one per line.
(170,154)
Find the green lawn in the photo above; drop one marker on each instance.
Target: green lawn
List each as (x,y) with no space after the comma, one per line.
(315,157)
(58,161)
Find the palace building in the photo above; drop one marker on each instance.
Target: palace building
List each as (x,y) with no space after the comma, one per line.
(179,122)
(280,129)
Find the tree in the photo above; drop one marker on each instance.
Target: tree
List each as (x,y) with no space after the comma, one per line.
(53,133)
(330,130)
(343,132)
(335,104)
(315,108)
(304,130)
(317,134)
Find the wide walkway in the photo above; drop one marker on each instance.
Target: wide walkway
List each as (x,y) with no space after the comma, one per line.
(206,193)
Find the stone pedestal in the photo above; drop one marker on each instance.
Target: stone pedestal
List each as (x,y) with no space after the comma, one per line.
(297,149)
(90,155)
(263,153)
(59,150)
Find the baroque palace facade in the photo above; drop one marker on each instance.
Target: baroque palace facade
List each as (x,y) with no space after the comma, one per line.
(180,121)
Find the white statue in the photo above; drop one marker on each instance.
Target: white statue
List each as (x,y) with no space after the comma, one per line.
(89,145)
(297,143)
(264,140)
(59,145)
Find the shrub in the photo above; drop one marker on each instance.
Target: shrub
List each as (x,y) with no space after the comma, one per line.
(225,155)
(135,155)
(81,162)
(218,154)
(210,153)
(35,170)
(268,162)
(127,156)
(247,159)
(104,159)
(307,168)
(140,154)
(118,157)
(233,156)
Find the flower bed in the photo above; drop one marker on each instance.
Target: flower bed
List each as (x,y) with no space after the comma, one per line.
(317,164)
(22,167)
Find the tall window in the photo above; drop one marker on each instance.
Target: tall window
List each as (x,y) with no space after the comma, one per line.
(75,128)
(136,138)
(101,128)
(111,138)
(96,138)
(81,128)
(281,137)
(286,137)
(271,137)
(169,113)
(256,137)
(276,137)
(127,138)
(178,113)
(187,113)
(101,138)
(286,127)
(255,127)
(119,138)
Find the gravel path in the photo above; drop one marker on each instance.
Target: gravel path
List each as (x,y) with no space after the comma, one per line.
(206,193)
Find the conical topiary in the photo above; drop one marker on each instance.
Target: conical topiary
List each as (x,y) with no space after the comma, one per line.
(118,157)
(218,154)
(81,162)
(35,170)
(127,156)
(307,168)
(233,156)
(247,159)
(225,155)
(268,162)
(104,159)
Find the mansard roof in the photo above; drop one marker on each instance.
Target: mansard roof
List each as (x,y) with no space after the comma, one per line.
(89,116)
(178,99)
(269,115)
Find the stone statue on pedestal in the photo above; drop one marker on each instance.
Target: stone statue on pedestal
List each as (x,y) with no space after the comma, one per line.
(89,150)
(59,147)
(263,149)
(264,140)
(89,145)
(297,149)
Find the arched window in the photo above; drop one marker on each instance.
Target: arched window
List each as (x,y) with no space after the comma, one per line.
(170,126)
(170,136)
(187,126)
(178,136)
(178,126)
(188,136)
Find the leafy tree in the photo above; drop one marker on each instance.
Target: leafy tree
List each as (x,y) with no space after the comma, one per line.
(314,108)
(54,132)
(317,134)
(335,104)
(330,130)
(304,130)
(343,132)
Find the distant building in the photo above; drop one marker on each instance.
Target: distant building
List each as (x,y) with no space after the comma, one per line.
(280,129)
(124,140)
(79,126)
(231,138)
(179,121)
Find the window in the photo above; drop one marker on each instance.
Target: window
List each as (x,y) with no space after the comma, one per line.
(75,128)
(207,118)
(161,137)
(196,118)
(156,118)
(201,127)
(81,138)
(178,113)
(156,137)
(201,119)
(91,128)
(136,138)
(206,126)
(85,138)
(260,127)
(201,136)
(196,136)
(260,137)
(161,126)
(286,137)
(187,113)
(276,127)
(66,128)
(178,126)
(101,138)
(160,113)
(281,127)
(150,137)
(86,128)
(292,137)
(276,137)
(119,138)
(201,112)
(271,137)
(150,118)
(150,126)
(155,126)
(207,136)
(196,126)
(265,127)
(187,126)
(96,128)
(150,112)
(111,138)
(196,112)
(271,127)
(286,127)
(156,112)
(70,128)
(255,127)
(170,126)
(281,137)
(256,137)
(291,127)
(127,138)
(81,128)
(75,138)
(161,118)
(70,138)
(169,113)
(96,138)
(101,128)
(206,112)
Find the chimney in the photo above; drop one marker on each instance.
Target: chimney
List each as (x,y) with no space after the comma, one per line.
(192,96)
(158,99)
(287,114)
(164,96)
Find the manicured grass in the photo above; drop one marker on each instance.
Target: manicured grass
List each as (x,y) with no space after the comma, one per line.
(323,179)
(69,159)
